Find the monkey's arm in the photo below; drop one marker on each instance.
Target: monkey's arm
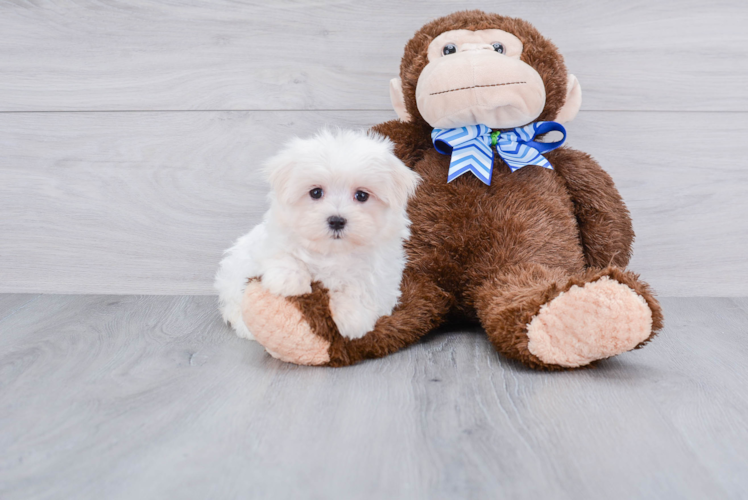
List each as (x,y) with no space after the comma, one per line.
(422,307)
(301,330)
(604,221)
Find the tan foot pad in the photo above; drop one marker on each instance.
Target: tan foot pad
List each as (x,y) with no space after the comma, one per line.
(601,319)
(281,329)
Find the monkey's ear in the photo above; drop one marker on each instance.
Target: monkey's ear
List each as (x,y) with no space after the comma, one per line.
(573,101)
(398,100)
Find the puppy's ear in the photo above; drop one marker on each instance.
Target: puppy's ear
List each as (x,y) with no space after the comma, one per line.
(399,182)
(279,169)
(404,181)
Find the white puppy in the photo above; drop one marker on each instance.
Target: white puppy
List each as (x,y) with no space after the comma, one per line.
(337,215)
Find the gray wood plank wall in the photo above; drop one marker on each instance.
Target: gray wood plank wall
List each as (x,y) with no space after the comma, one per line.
(130,133)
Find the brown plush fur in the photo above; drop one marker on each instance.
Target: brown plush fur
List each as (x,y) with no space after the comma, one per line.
(493,253)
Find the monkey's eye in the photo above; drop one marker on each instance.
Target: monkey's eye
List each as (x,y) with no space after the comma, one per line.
(498,47)
(450,48)
(361,196)
(316,193)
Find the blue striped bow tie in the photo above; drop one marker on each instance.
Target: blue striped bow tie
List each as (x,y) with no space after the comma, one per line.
(471,148)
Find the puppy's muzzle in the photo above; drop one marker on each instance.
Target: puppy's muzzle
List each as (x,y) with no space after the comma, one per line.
(336,223)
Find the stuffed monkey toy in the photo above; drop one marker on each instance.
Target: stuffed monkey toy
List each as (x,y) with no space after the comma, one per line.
(526,237)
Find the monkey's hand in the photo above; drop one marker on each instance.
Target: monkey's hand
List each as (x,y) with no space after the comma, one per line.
(281,327)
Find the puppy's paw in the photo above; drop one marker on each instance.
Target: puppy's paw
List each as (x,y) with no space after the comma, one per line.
(241,329)
(231,310)
(350,327)
(287,282)
(351,317)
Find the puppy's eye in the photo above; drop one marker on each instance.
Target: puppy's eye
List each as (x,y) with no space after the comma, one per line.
(450,48)
(361,196)
(498,47)
(316,193)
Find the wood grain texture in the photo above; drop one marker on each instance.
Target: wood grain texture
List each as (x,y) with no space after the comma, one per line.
(333,54)
(11,304)
(146,202)
(152,397)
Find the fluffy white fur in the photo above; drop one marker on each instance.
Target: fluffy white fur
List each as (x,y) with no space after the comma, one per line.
(362,264)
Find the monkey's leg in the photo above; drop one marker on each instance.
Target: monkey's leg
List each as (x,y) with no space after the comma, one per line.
(549,320)
(301,330)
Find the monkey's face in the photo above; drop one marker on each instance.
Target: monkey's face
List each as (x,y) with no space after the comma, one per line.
(477,77)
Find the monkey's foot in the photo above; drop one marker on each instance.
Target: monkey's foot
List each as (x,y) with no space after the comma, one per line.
(593,321)
(280,327)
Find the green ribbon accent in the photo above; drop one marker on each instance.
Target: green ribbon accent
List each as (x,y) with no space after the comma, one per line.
(495,137)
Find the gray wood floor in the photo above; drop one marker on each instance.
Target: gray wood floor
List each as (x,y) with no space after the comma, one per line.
(130,136)
(153,397)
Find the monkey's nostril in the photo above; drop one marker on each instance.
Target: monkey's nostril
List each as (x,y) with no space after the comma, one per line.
(336,222)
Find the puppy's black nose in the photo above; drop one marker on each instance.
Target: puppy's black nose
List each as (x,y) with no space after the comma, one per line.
(336,222)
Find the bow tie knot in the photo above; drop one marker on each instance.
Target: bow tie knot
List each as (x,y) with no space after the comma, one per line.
(471,148)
